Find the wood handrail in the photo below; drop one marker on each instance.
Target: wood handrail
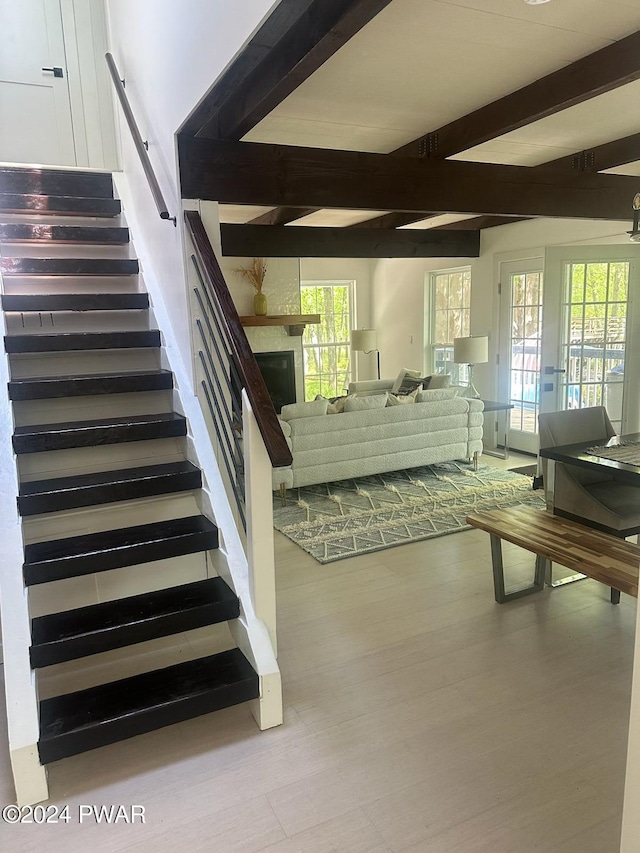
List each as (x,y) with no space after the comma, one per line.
(261,404)
(141,145)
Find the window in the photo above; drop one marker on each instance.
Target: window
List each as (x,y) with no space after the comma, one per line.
(450,301)
(326,350)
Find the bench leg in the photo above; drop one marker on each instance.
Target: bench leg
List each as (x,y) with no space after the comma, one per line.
(615,596)
(498,575)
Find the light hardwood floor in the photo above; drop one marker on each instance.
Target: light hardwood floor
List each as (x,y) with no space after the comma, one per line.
(420,716)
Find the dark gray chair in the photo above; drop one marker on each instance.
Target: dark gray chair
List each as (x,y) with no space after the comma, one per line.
(588,497)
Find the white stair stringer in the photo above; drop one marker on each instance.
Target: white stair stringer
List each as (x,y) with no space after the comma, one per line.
(251,633)
(20,683)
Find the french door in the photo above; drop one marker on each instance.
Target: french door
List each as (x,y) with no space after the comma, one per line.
(570,335)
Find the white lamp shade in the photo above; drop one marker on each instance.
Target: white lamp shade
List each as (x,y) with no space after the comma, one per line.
(471,350)
(364,340)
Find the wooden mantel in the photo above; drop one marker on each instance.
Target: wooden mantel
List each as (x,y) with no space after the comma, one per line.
(293,323)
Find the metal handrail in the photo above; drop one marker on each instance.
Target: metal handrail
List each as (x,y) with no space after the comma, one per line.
(141,145)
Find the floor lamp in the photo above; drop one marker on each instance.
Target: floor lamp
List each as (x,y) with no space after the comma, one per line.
(471,350)
(365,340)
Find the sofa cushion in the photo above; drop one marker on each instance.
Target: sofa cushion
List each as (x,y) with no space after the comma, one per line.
(365,404)
(433,394)
(284,426)
(312,409)
(436,380)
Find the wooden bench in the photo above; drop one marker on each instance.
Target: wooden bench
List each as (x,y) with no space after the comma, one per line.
(606,558)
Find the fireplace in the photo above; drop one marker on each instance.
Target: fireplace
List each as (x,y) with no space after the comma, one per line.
(279,373)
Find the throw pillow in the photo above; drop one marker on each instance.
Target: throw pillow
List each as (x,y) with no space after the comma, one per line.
(336,406)
(436,380)
(402,399)
(403,380)
(363,404)
(313,409)
(432,395)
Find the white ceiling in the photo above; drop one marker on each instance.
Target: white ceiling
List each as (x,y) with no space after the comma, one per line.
(420,64)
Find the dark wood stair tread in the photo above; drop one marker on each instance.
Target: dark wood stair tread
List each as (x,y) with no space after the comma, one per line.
(113,549)
(45,302)
(20,232)
(68,266)
(57,205)
(73,341)
(30,181)
(60,436)
(90,384)
(61,493)
(115,624)
(76,722)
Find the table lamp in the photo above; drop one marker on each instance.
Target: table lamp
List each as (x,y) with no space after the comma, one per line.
(471,350)
(365,340)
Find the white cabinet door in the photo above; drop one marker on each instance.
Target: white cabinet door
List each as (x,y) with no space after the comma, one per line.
(35,112)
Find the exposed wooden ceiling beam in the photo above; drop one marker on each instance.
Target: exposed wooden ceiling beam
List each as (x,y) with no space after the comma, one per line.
(285,176)
(600,72)
(618,152)
(304,45)
(311,242)
(606,156)
(279,22)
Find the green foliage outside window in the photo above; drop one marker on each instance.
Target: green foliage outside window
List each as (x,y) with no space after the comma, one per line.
(326,349)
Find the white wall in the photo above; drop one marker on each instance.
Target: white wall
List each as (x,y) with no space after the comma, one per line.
(86,41)
(282,289)
(170,55)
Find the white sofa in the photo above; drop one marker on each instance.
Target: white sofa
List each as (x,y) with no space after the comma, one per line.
(329,447)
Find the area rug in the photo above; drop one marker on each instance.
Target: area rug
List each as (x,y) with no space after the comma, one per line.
(333,521)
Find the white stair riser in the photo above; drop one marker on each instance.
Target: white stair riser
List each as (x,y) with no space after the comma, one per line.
(83,591)
(28,249)
(72,284)
(108,457)
(28,412)
(36,365)
(58,322)
(94,519)
(133,660)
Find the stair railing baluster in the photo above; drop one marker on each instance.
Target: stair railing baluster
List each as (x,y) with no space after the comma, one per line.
(239,503)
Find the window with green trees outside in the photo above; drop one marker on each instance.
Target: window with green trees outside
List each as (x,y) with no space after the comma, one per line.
(326,349)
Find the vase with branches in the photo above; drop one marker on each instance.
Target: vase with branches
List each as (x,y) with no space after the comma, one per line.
(255,275)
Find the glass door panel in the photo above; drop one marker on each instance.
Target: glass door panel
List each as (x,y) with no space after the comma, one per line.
(588,322)
(521,349)
(594,345)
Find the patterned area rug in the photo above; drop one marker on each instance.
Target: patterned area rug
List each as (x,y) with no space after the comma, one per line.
(333,521)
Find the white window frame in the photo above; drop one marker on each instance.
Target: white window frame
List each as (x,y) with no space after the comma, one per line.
(350,284)
(458,371)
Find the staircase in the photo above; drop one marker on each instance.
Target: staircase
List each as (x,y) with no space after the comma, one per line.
(117,546)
